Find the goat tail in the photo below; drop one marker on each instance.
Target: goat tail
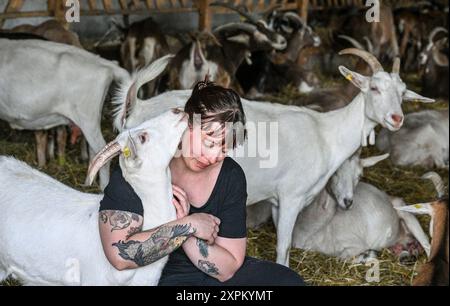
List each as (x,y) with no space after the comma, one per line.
(412,224)
(127,93)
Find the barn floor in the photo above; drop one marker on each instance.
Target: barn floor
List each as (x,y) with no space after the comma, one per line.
(315,268)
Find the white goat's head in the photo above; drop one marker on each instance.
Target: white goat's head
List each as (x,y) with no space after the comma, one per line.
(145,149)
(342,184)
(383,92)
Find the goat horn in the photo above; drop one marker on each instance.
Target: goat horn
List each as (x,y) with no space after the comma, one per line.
(236,26)
(111,150)
(132,145)
(353,41)
(296,18)
(396,65)
(435,32)
(213,37)
(371,60)
(369,44)
(437,182)
(248,16)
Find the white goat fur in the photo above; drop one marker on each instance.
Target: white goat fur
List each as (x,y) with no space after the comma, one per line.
(48,84)
(49,232)
(371,224)
(423,140)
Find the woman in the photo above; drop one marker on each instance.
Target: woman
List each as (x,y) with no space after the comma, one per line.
(210,199)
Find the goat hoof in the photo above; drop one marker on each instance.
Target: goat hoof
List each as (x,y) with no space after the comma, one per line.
(365,257)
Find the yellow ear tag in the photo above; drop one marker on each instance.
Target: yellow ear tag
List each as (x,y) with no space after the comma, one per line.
(418,206)
(126,152)
(349,77)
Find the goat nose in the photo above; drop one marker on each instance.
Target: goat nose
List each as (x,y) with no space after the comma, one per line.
(397,119)
(348,203)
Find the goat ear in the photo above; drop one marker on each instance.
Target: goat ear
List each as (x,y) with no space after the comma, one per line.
(327,203)
(411,96)
(360,81)
(372,161)
(417,209)
(240,39)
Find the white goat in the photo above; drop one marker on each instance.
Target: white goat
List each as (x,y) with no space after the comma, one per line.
(350,218)
(45,84)
(370,225)
(49,232)
(423,140)
(311,145)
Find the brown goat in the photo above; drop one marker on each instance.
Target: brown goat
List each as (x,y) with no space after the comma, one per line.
(144,42)
(435,271)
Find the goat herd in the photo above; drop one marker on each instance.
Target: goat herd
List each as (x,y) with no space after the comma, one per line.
(49,232)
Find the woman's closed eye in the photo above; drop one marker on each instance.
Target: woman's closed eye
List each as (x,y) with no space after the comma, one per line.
(210,143)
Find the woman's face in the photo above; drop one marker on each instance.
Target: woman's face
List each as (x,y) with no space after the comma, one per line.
(203,147)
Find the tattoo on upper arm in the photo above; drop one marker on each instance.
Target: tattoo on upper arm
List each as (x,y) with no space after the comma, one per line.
(208,267)
(203,247)
(118,220)
(163,241)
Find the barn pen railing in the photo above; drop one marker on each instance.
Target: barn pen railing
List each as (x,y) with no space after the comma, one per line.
(57,9)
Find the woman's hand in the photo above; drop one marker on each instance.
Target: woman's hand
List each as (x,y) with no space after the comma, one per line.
(180,201)
(206,226)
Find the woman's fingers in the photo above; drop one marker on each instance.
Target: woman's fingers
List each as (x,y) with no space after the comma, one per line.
(180,190)
(178,208)
(215,219)
(210,241)
(182,198)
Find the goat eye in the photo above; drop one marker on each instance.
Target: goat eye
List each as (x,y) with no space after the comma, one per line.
(143,138)
(373,88)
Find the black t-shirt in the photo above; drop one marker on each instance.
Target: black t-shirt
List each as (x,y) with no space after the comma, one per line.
(227,202)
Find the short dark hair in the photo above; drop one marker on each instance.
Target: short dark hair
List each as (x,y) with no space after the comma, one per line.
(217,104)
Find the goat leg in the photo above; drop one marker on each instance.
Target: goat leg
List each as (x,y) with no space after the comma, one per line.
(41,147)
(51,144)
(61,140)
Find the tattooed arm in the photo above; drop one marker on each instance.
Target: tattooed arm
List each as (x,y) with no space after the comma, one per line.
(220,260)
(128,247)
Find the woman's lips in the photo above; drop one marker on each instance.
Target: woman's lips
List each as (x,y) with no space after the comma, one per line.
(200,164)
